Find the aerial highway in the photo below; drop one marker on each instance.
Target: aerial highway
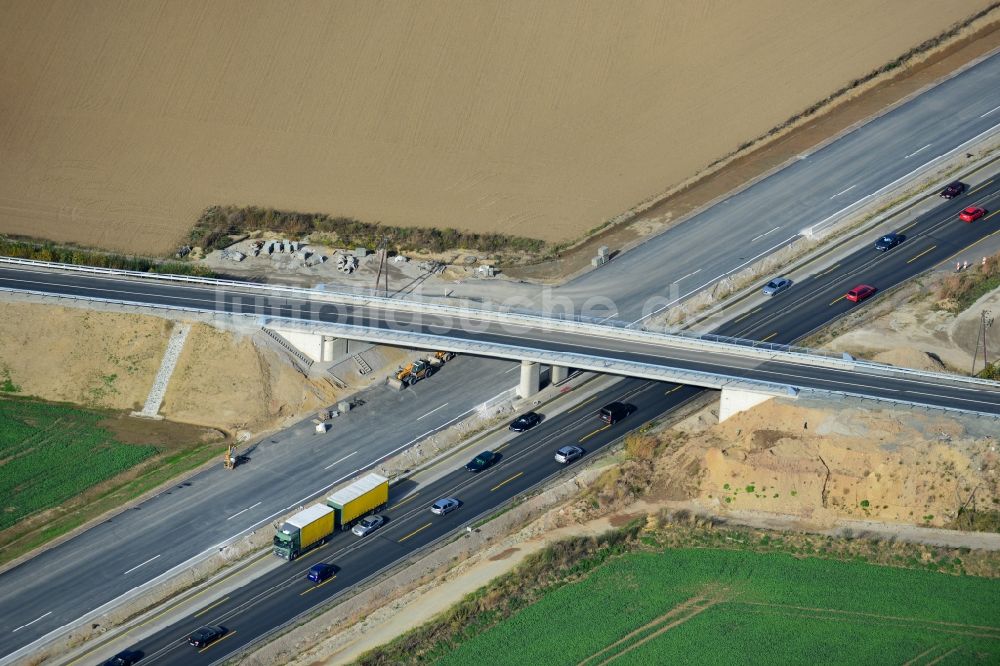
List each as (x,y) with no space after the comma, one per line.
(284,594)
(67,582)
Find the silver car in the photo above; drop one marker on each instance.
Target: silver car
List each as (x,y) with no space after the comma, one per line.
(777,285)
(444,505)
(368,524)
(568,454)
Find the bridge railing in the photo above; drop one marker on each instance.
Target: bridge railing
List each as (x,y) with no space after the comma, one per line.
(763,351)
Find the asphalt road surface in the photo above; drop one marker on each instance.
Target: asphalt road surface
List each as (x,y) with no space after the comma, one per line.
(254,610)
(825,181)
(250,612)
(772,212)
(210,508)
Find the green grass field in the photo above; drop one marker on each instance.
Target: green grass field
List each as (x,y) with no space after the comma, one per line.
(730,607)
(52,452)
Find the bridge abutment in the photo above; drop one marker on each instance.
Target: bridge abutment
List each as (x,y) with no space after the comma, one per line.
(734,401)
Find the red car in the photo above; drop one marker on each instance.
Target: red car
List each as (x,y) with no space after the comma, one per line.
(971,214)
(860,293)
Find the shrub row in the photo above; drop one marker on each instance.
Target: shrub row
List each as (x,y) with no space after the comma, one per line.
(21,249)
(218,223)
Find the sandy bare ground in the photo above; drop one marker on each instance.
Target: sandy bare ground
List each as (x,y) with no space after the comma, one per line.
(123,121)
(109,360)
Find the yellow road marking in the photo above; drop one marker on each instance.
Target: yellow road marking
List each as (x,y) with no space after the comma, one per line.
(829,270)
(589,435)
(839,298)
(991,215)
(213,643)
(208,608)
(419,529)
(744,316)
(981,186)
(676,388)
(320,585)
(506,482)
(911,224)
(590,399)
(921,254)
(769,337)
(957,252)
(405,501)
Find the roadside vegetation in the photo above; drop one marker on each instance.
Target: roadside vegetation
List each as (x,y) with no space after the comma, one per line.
(218,223)
(61,465)
(654,591)
(963,289)
(46,251)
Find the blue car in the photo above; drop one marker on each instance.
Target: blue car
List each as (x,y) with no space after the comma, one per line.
(320,572)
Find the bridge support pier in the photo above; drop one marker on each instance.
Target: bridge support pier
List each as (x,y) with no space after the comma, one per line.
(558,374)
(529,379)
(734,401)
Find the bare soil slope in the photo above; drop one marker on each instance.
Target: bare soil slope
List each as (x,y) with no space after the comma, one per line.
(123,121)
(106,359)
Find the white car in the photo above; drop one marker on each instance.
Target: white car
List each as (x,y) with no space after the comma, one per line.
(444,505)
(568,454)
(368,524)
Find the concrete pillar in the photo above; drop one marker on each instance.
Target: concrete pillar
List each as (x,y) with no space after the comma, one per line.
(734,401)
(529,379)
(327,354)
(558,374)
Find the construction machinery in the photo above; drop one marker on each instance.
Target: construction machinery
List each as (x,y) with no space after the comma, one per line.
(413,372)
(231,458)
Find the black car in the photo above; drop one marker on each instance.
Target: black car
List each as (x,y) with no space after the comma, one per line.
(482,461)
(126,658)
(206,636)
(614,412)
(525,422)
(888,242)
(953,190)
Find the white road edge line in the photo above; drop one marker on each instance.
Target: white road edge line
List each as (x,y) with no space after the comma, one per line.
(432,411)
(140,565)
(243,511)
(918,150)
(32,622)
(990,111)
(688,275)
(339,461)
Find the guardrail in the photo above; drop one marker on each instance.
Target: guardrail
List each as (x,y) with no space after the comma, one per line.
(616,330)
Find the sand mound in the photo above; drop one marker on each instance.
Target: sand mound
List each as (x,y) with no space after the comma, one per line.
(819,464)
(907,357)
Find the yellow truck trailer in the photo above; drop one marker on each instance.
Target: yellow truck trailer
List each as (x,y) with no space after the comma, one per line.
(304,530)
(366,495)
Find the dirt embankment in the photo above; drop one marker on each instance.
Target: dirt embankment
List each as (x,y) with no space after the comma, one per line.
(822,463)
(109,360)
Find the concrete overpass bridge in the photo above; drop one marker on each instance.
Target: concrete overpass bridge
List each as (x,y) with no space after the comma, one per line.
(745,371)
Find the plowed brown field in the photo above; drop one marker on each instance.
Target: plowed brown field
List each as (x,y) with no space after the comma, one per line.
(120,121)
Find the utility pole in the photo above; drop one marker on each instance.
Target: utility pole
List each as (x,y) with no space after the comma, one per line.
(985,322)
(383,265)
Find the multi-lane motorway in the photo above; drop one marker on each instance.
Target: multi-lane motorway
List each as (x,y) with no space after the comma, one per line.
(281,595)
(708,368)
(35,599)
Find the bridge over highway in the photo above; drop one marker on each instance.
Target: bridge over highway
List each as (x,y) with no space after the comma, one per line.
(719,363)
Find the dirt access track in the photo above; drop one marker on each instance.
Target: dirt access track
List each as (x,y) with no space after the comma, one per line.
(123,122)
